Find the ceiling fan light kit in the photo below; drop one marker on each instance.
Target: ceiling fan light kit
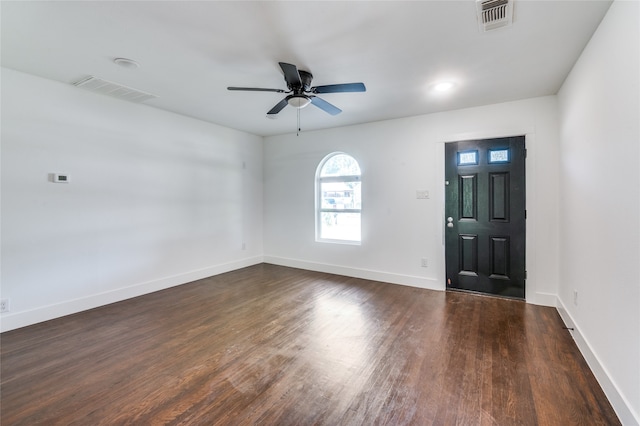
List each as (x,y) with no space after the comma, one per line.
(301,93)
(298,101)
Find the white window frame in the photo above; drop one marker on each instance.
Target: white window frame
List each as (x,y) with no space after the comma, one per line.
(318,196)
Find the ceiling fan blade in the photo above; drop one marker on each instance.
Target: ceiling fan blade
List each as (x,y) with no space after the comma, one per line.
(278,107)
(340,88)
(291,74)
(256,89)
(325,106)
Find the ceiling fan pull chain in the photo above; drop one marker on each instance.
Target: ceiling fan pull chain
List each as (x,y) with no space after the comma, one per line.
(298,132)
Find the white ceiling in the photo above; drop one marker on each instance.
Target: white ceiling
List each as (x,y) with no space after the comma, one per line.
(189,52)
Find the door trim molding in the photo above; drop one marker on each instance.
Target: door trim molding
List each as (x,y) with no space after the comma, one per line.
(533,294)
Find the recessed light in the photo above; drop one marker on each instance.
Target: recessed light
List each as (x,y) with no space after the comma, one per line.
(445,86)
(126,63)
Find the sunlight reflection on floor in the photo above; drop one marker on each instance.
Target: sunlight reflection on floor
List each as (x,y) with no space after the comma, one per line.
(338,337)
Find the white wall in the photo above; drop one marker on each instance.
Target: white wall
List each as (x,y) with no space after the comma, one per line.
(155,199)
(158,199)
(397,158)
(600,208)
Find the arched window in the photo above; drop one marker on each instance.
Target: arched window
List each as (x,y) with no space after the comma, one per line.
(338,199)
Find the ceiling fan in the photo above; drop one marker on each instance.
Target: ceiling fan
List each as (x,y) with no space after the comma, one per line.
(301,92)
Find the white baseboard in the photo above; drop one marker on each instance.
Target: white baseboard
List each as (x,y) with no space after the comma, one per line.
(620,404)
(544,299)
(11,321)
(367,274)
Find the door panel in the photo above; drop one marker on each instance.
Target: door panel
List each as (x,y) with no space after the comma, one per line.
(469,197)
(469,255)
(499,197)
(500,258)
(485,210)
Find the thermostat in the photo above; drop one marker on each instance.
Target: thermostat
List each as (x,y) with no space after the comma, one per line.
(61,178)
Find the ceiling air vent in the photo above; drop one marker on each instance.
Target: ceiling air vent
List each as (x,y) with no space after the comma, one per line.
(116,90)
(493,14)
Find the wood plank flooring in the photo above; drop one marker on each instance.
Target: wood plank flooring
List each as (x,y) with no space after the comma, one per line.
(270,345)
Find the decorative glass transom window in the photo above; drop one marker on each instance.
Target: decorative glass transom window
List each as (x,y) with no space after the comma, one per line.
(467,158)
(338,199)
(499,155)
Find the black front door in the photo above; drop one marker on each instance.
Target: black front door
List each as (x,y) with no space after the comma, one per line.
(485,216)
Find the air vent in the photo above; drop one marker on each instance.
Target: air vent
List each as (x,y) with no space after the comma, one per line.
(116,90)
(493,14)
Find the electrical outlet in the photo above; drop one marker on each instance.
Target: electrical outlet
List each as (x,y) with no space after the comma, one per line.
(4,305)
(424,262)
(575,297)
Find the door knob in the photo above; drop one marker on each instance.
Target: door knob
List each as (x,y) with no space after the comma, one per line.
(450,222)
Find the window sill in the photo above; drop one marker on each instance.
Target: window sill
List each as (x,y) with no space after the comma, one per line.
(344,242)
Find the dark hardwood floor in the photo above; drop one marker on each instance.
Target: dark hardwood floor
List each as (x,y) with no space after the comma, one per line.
(270,345)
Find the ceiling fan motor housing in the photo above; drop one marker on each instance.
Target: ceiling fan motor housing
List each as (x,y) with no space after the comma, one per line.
(306,78)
